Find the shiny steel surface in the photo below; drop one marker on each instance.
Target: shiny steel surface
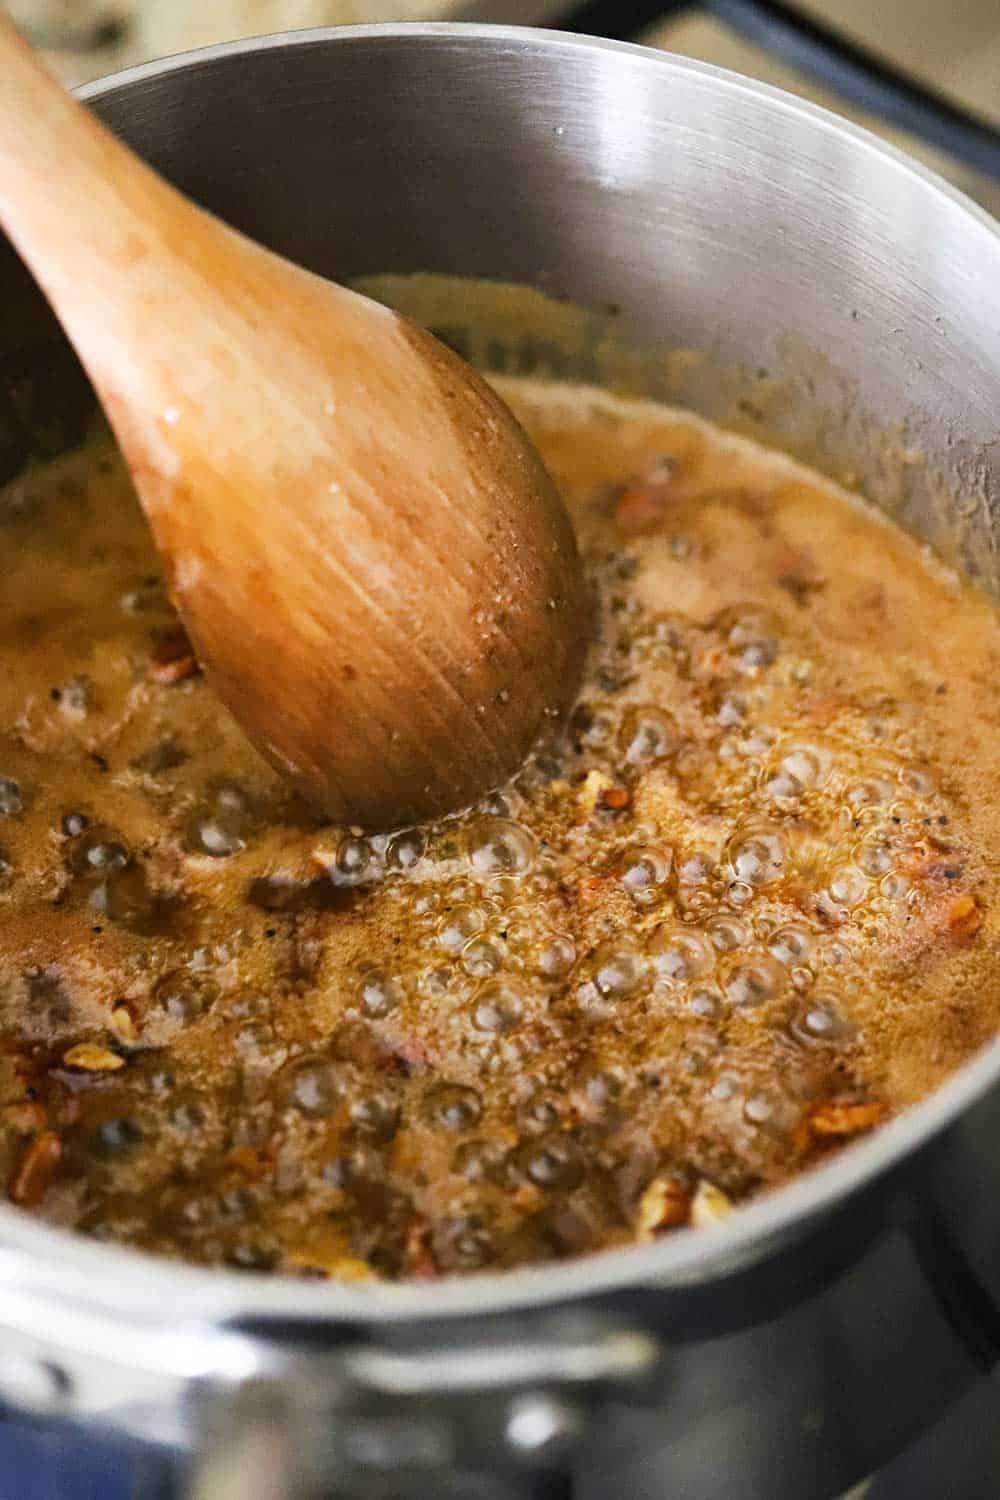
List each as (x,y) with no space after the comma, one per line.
(818,1329)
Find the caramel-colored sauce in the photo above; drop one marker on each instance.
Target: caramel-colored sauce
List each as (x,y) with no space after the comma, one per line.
(740,910)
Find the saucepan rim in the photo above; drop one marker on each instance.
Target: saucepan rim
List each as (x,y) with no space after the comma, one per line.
(137,1285)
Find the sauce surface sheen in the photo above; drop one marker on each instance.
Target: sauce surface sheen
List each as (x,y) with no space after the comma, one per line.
(739,911)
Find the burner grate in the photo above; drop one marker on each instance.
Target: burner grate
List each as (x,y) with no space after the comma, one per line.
(860,76)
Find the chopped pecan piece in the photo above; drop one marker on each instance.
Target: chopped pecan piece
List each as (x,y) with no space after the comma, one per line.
(247,1159)
(843,1117)
(90,1058)
(35,1169)
(799,575)
(420,1260)
(665,1204)
(613,799)
(172,659)
(589,888)
(338,1267)
(823,710)
(123,1023)
(27,1118)
(591,789)
(642,504)
(963,917)
(709,1205)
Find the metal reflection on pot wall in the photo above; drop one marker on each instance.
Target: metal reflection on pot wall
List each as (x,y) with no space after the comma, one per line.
(753,234)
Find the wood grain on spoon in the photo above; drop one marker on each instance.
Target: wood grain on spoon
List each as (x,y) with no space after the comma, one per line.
(373,565)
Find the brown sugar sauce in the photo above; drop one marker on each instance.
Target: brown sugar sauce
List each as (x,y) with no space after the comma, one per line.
(740,910)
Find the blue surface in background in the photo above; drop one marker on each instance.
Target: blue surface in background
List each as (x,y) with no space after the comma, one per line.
(957,1460)
(47,1464)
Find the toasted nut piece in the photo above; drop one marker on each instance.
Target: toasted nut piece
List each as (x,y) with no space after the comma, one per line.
(589,888)
(172,659)
(591,788)
(248,1159)
(614,799)
(419,1255)
(338,1267)
(642,504)
(36,1169)
(92,1059)
(528,1198)
(709,1205)
(823,710)
(665,1204)
(963,918)
(841,1117)
(122,1023)
(27,1117)
(166,673)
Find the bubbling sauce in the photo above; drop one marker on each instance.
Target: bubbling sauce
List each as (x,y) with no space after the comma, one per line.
(741,909)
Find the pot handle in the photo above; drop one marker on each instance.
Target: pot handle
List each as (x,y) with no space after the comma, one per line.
(402,1424)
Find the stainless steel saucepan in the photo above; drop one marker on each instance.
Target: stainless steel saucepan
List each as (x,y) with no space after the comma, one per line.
(825,291)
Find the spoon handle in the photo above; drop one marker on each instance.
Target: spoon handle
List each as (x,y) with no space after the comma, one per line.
(81,210)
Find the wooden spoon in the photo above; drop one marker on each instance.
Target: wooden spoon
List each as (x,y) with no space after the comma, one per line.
(371,561)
